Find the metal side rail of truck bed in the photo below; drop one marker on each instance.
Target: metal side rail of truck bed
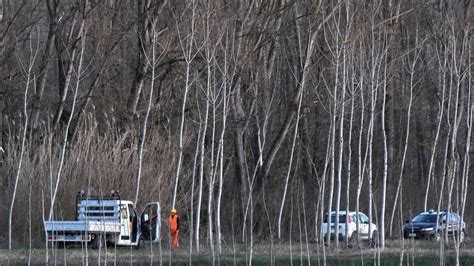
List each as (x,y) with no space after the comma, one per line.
(59,231)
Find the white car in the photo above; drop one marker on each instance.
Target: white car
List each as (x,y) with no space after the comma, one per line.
(350,221)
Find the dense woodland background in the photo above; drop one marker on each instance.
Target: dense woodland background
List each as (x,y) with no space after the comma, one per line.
(252,118)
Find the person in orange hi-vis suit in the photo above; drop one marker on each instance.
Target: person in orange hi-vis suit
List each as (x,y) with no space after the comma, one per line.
(173,222)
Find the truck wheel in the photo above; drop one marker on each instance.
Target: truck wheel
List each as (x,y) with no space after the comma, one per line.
(436,237)
(99,242)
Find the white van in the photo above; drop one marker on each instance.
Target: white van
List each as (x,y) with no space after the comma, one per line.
(349,220)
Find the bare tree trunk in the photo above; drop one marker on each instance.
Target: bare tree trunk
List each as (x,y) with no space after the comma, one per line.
(274,148)
(204,120)
(385,162)
(64,85)
(33,50)
(373,100)
(221,156)
(349,160)
(322,187)
(308,255)
(76,89)
(191,216)
(411,67)
(465,172)
(43,73)
(331,174)
(446,162)
(337,57)
(442,83)
(147,12)
(152,64)
(280,215)
(374,64)
(143,44)
(361,163)
(188,58)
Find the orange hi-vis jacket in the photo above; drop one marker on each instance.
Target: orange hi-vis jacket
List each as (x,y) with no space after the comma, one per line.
(173,221)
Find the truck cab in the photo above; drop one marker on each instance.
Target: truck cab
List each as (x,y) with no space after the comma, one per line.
(107,220)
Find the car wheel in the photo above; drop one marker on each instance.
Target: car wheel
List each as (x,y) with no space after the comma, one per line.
(405,234)
(436,237)
(354,240)
(374,240)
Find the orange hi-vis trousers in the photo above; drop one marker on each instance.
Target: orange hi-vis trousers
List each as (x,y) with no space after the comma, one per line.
(174,238)
(173,221)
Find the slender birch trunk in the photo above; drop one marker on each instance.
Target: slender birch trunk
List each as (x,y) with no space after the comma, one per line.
(29,72)
(373,102)
(385,162)
(346,83)
(349,160)
(361,163)
(332,155)
(202,156)
(152,64)
(79,74)
(221,160)
(188,57)
(412,66)
(212,175)
(302,84)
(322,187)
(442,83)
(466,164)
(193,182)
(280,214)
(446,162)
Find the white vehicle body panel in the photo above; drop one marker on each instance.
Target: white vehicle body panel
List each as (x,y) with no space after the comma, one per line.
(351,226)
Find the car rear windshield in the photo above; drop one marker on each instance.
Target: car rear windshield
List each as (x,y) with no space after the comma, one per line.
(425,218)
(342,218)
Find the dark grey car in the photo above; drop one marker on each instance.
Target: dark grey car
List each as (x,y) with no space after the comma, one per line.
(431,225)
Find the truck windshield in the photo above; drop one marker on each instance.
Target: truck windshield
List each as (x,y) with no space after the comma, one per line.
(424,218)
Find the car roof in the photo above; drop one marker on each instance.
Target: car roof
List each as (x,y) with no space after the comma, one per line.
(432,212)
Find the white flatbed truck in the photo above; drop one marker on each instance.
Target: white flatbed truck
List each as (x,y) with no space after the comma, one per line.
(104,221)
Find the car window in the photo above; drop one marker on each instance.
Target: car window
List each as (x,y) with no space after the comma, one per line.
(453,217)
(425,218)
(363,218)
(342,218)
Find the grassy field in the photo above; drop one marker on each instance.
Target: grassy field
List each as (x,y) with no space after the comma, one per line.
(415,252)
